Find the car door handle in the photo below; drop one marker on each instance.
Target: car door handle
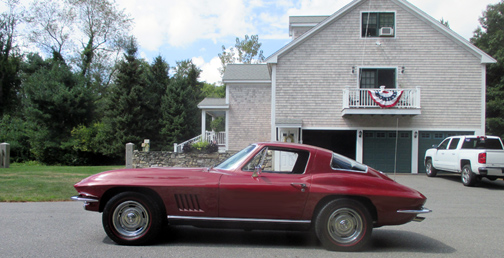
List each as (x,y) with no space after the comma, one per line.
(299,184)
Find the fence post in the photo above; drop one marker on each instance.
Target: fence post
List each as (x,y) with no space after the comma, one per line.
(129,155)
(4,155)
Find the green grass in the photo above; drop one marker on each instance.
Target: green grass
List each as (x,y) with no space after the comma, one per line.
(38,183)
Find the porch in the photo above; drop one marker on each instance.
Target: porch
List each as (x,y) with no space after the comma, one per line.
(381,101)
(213,107)
(218,138)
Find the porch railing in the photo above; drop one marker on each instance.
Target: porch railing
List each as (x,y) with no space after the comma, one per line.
(360,98)
(218,137)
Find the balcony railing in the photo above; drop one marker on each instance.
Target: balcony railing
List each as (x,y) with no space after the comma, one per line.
(218,137)
(359,101)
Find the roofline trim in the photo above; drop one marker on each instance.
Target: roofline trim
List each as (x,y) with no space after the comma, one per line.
(248,81)
(274,57)
(485,58)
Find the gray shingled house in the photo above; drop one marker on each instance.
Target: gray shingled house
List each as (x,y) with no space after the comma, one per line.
(379,81)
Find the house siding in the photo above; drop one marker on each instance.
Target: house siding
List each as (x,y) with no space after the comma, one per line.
(311,77)
(249,114)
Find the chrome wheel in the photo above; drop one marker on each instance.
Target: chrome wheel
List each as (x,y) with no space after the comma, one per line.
(468,177)
(130,219)
(430,171)
(345,225)
(465,176)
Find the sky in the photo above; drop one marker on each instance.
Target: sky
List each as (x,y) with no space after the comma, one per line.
(197,29)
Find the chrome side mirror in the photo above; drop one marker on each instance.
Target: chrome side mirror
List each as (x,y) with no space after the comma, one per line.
(257,172)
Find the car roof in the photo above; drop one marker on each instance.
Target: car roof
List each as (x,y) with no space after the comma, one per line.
(473,136)
(294,146)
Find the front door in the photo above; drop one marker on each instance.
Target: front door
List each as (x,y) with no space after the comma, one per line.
(276,191)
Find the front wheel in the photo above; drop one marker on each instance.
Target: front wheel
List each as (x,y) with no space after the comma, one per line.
(131,218)
(344,225)
(468,177)
(430,171)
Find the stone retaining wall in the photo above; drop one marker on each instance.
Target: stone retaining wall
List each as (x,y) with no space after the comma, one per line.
(170,159)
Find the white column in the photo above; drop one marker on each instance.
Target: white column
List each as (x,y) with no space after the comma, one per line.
(414,152)
(360,146)
(203,125)
(227,129)
(273,102)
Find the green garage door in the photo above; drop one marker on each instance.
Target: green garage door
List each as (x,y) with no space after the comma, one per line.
(429,138)
(379,150)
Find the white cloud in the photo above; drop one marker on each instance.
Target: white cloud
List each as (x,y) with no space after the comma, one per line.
(180,23)
(210,71)
(462,16)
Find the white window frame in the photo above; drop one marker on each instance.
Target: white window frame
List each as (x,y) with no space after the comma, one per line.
(377,37)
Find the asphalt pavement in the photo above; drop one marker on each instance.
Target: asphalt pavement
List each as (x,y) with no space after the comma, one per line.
(465,222)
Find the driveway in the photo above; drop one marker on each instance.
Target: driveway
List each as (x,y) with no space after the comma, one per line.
(466,222)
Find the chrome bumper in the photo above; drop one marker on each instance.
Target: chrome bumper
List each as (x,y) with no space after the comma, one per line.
(422,211)
(417,218)
(83,199)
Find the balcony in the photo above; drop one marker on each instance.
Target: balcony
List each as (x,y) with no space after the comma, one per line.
(360,102)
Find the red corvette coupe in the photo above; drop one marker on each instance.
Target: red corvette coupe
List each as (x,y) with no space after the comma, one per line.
(264,186)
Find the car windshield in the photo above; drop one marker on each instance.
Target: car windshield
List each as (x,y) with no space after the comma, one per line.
(236,159)
(342,162)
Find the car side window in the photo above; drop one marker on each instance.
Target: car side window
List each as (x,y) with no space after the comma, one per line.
(454,143)
(444,144)
(279,160)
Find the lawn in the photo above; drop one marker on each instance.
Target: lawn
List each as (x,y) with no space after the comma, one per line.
(38,183)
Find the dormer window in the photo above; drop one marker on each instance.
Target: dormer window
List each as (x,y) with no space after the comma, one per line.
(378,24)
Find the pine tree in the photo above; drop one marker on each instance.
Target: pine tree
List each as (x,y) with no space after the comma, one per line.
(180,113)
(124,120)
(158,81)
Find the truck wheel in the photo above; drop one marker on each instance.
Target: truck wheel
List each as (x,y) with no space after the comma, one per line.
(468,177)
(430,171)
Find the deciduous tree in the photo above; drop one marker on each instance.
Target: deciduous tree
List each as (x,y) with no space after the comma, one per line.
(490,38)
(246,51)
(9,59)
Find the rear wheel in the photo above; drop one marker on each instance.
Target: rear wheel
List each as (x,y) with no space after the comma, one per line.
(132,218)
(468,177)
(430,171)
(344,225)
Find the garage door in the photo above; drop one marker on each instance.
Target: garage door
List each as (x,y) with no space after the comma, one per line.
(429,138)
(342,142)
(379,150)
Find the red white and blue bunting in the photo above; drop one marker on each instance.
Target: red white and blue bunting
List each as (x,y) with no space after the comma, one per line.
(385,98)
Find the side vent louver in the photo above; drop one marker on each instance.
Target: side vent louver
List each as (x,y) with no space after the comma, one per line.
(188,202)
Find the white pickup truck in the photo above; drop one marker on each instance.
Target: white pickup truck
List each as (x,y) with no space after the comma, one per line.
(474,157)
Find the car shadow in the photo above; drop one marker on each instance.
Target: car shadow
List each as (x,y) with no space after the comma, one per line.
(497,184)
(387,240)
(382,240)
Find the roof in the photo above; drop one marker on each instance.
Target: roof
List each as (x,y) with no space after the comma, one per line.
(215,107)
(213,103)
(485,58)
(247,73)
(307,19)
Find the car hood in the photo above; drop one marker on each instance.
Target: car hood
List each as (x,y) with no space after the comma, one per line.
(147,176)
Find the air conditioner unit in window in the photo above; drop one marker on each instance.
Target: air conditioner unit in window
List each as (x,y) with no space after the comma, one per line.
(386,31)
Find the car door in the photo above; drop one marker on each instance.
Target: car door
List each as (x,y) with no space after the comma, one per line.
(440,161)
(451,156)
(278,190)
